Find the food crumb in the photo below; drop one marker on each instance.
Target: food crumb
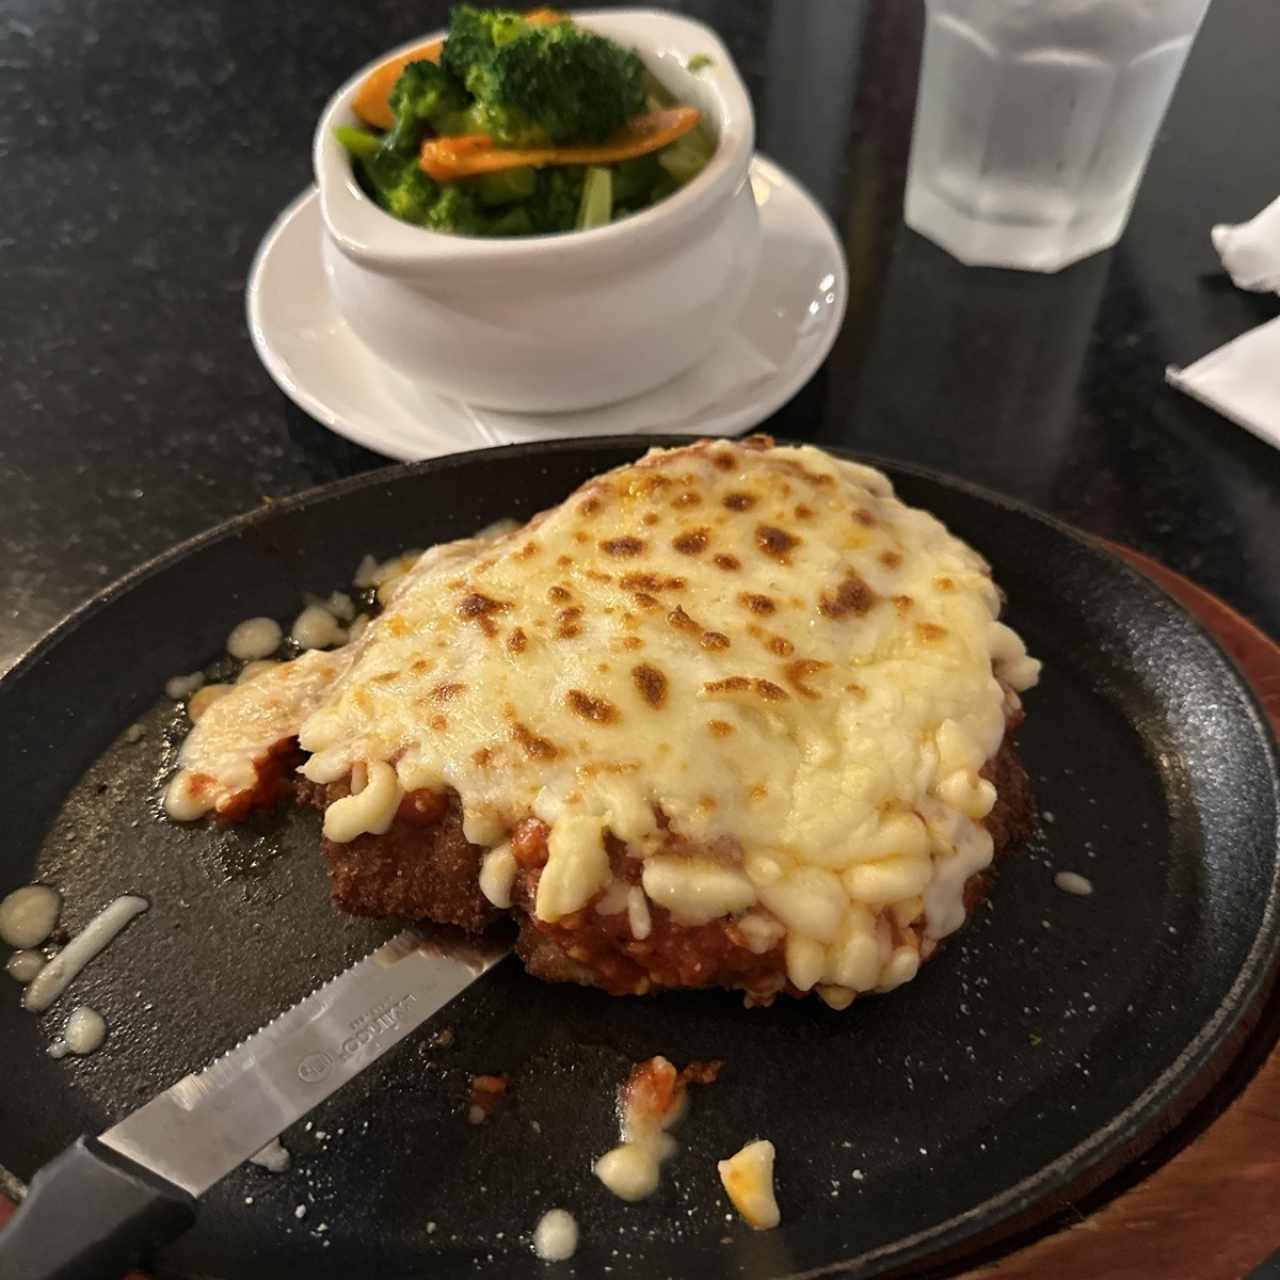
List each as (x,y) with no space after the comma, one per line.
(555,1238)
(134,733)
(486,1095)
(1072,882)
(300,1212)
(431,1228)
(747,1178)
(274,1157)
(248,1199)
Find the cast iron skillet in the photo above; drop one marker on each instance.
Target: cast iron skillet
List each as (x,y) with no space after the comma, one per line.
(1054,1038)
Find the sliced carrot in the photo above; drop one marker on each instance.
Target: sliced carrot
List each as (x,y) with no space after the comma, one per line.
(372,102)
(448,159)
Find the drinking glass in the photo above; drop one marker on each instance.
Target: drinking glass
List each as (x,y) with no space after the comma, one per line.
(1034,122)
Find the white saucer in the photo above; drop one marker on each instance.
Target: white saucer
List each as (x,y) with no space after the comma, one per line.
(786,329)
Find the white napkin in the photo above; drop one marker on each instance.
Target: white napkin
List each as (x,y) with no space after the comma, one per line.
(1241,380)
(1251,251)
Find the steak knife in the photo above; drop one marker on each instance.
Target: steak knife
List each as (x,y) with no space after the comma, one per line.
(93,1210)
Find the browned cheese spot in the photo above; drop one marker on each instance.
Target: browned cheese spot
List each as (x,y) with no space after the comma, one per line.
(597,710)
(526,552)
(759,792)
(891,559)
(650,518)
(681,620)
(632,642)
(944,584)
(780,646)
(692,543)
(590,506)
(757,603)
(420,666)
(725,461)
(652,684)
(739,501)
(558,595)
(567,622)
(765,689)
(930,631)
(720,728)
(534,747)
(651,582)
(865,518)
(776,542)
(714,640)
(517,641)
(857,691)
(383,677)
(565,561)
(804,513)
(447,692)
(622,546)
(475,605)
(686,499)
(649,484)
(645,601)
(902,604)
(851,596)
(482,757)
(597,575)
(439,723)
(397,625)
(727,563)
(799,671)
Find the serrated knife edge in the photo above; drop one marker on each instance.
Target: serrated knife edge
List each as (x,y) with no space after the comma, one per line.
(209,1122)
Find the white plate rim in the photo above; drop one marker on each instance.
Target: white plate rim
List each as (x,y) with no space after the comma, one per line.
(776,391)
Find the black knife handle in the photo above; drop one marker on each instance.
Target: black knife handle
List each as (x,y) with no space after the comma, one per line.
(89,1215)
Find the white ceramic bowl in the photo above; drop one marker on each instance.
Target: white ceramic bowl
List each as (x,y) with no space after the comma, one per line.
(560,322)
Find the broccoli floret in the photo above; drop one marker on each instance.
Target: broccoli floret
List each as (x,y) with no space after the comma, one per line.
(475,33)
(554,205)
(423,98)
(455,210)
(542,83)
(404,191)
(410,196)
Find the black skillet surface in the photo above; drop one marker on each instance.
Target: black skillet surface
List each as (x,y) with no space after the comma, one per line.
(1053,1039)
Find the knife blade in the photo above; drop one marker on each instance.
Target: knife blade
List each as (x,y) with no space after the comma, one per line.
(91,1210)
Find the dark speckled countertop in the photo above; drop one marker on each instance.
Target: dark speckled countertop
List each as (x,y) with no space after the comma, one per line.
(145,149)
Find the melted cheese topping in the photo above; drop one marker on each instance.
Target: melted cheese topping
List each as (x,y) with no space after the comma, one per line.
(770,678)
(239,727)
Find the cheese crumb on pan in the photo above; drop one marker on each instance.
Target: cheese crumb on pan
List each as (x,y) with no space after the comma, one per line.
(653,1098)
(773,682)
(555,1239)
(748,1181)
(649,1103)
